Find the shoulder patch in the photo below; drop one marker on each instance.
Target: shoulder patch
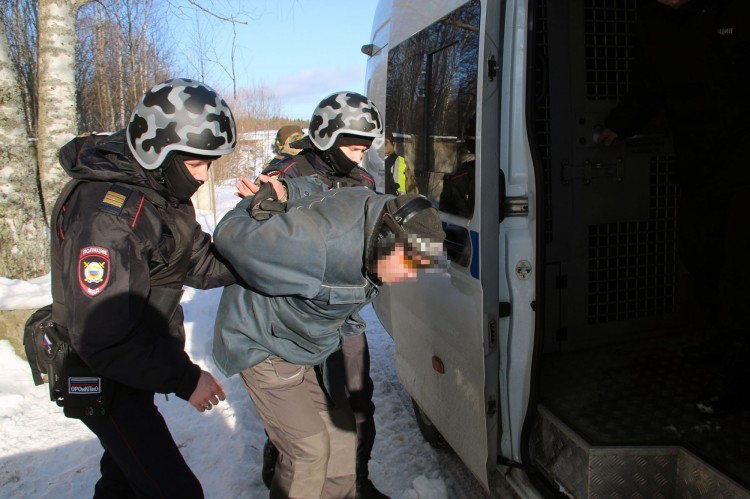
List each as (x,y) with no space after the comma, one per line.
(115,199)
(93,270)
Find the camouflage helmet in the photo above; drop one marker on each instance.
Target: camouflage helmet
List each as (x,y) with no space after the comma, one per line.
(180,115)
(285,136)
(342,113)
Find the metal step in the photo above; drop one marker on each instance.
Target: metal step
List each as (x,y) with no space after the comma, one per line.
(582,470)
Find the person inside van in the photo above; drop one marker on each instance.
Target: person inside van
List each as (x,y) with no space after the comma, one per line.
(693,65)
(308,264)
(399,176)
(457,195)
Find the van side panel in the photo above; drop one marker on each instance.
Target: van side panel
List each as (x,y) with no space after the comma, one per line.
(441,93)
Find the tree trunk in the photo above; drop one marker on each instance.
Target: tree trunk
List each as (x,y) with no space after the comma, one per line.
(23,232)
(31,179)
(57,91)
(121,118)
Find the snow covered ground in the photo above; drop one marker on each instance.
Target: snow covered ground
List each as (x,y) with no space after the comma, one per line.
(45,455)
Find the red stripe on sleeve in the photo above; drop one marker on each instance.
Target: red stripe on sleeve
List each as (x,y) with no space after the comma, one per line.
(138,212)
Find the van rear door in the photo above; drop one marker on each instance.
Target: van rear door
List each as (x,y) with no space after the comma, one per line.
(442,104)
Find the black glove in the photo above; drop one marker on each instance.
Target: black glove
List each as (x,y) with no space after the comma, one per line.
(265,203)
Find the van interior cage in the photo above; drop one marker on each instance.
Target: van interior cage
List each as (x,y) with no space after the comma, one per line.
(608,29)
(633,265)
(632,268)
(617,398)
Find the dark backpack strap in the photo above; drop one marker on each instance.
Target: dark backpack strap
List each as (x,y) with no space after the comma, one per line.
(153,196)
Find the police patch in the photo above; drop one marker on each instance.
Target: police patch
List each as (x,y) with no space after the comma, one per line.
(93,269)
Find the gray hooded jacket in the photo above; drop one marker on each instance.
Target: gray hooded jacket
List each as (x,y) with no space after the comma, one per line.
(304,276)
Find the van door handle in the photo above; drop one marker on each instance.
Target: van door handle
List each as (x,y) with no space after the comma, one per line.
(516,206)
(457,244)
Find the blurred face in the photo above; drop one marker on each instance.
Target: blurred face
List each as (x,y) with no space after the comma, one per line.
(354,153)
(198,168)
(673,3)
(400,266)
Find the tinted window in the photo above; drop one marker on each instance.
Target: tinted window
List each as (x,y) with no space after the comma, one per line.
(431,100)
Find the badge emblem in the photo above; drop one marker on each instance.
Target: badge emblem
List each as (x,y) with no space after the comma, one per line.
(93,269)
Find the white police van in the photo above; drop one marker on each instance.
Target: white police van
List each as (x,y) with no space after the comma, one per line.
(551,350)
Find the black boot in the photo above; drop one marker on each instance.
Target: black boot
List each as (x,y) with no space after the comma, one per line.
(365,488)
(270,454)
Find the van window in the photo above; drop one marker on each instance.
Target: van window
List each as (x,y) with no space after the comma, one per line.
(431,100)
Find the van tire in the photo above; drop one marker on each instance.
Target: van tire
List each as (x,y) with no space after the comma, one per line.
(427,429)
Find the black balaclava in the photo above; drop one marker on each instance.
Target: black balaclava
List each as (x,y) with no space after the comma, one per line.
(177,178)
(336,158)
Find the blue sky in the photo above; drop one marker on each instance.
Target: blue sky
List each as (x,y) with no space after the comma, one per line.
(302,49)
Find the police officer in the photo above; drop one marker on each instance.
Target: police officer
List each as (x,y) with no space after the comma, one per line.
(125,240)
(282,148)
(342,128)
(693,64)
(333,149)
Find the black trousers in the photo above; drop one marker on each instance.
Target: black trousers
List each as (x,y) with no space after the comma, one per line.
(140,457)
(359,386)
(346,379)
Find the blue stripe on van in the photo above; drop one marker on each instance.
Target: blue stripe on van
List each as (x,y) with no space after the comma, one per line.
(474,254)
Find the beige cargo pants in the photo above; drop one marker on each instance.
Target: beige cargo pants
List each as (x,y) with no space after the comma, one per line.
(316,443)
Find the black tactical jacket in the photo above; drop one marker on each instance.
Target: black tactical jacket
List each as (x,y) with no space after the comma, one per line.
(121,251)
(308,163)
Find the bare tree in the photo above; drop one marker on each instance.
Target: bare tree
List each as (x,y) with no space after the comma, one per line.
(22,49)
(21,217)
(121,51)
(56,91)
(116,61)
(24,204)
(256,110)
(206,53)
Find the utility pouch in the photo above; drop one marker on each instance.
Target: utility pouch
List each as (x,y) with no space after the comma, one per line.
(72,384)
(42,339)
